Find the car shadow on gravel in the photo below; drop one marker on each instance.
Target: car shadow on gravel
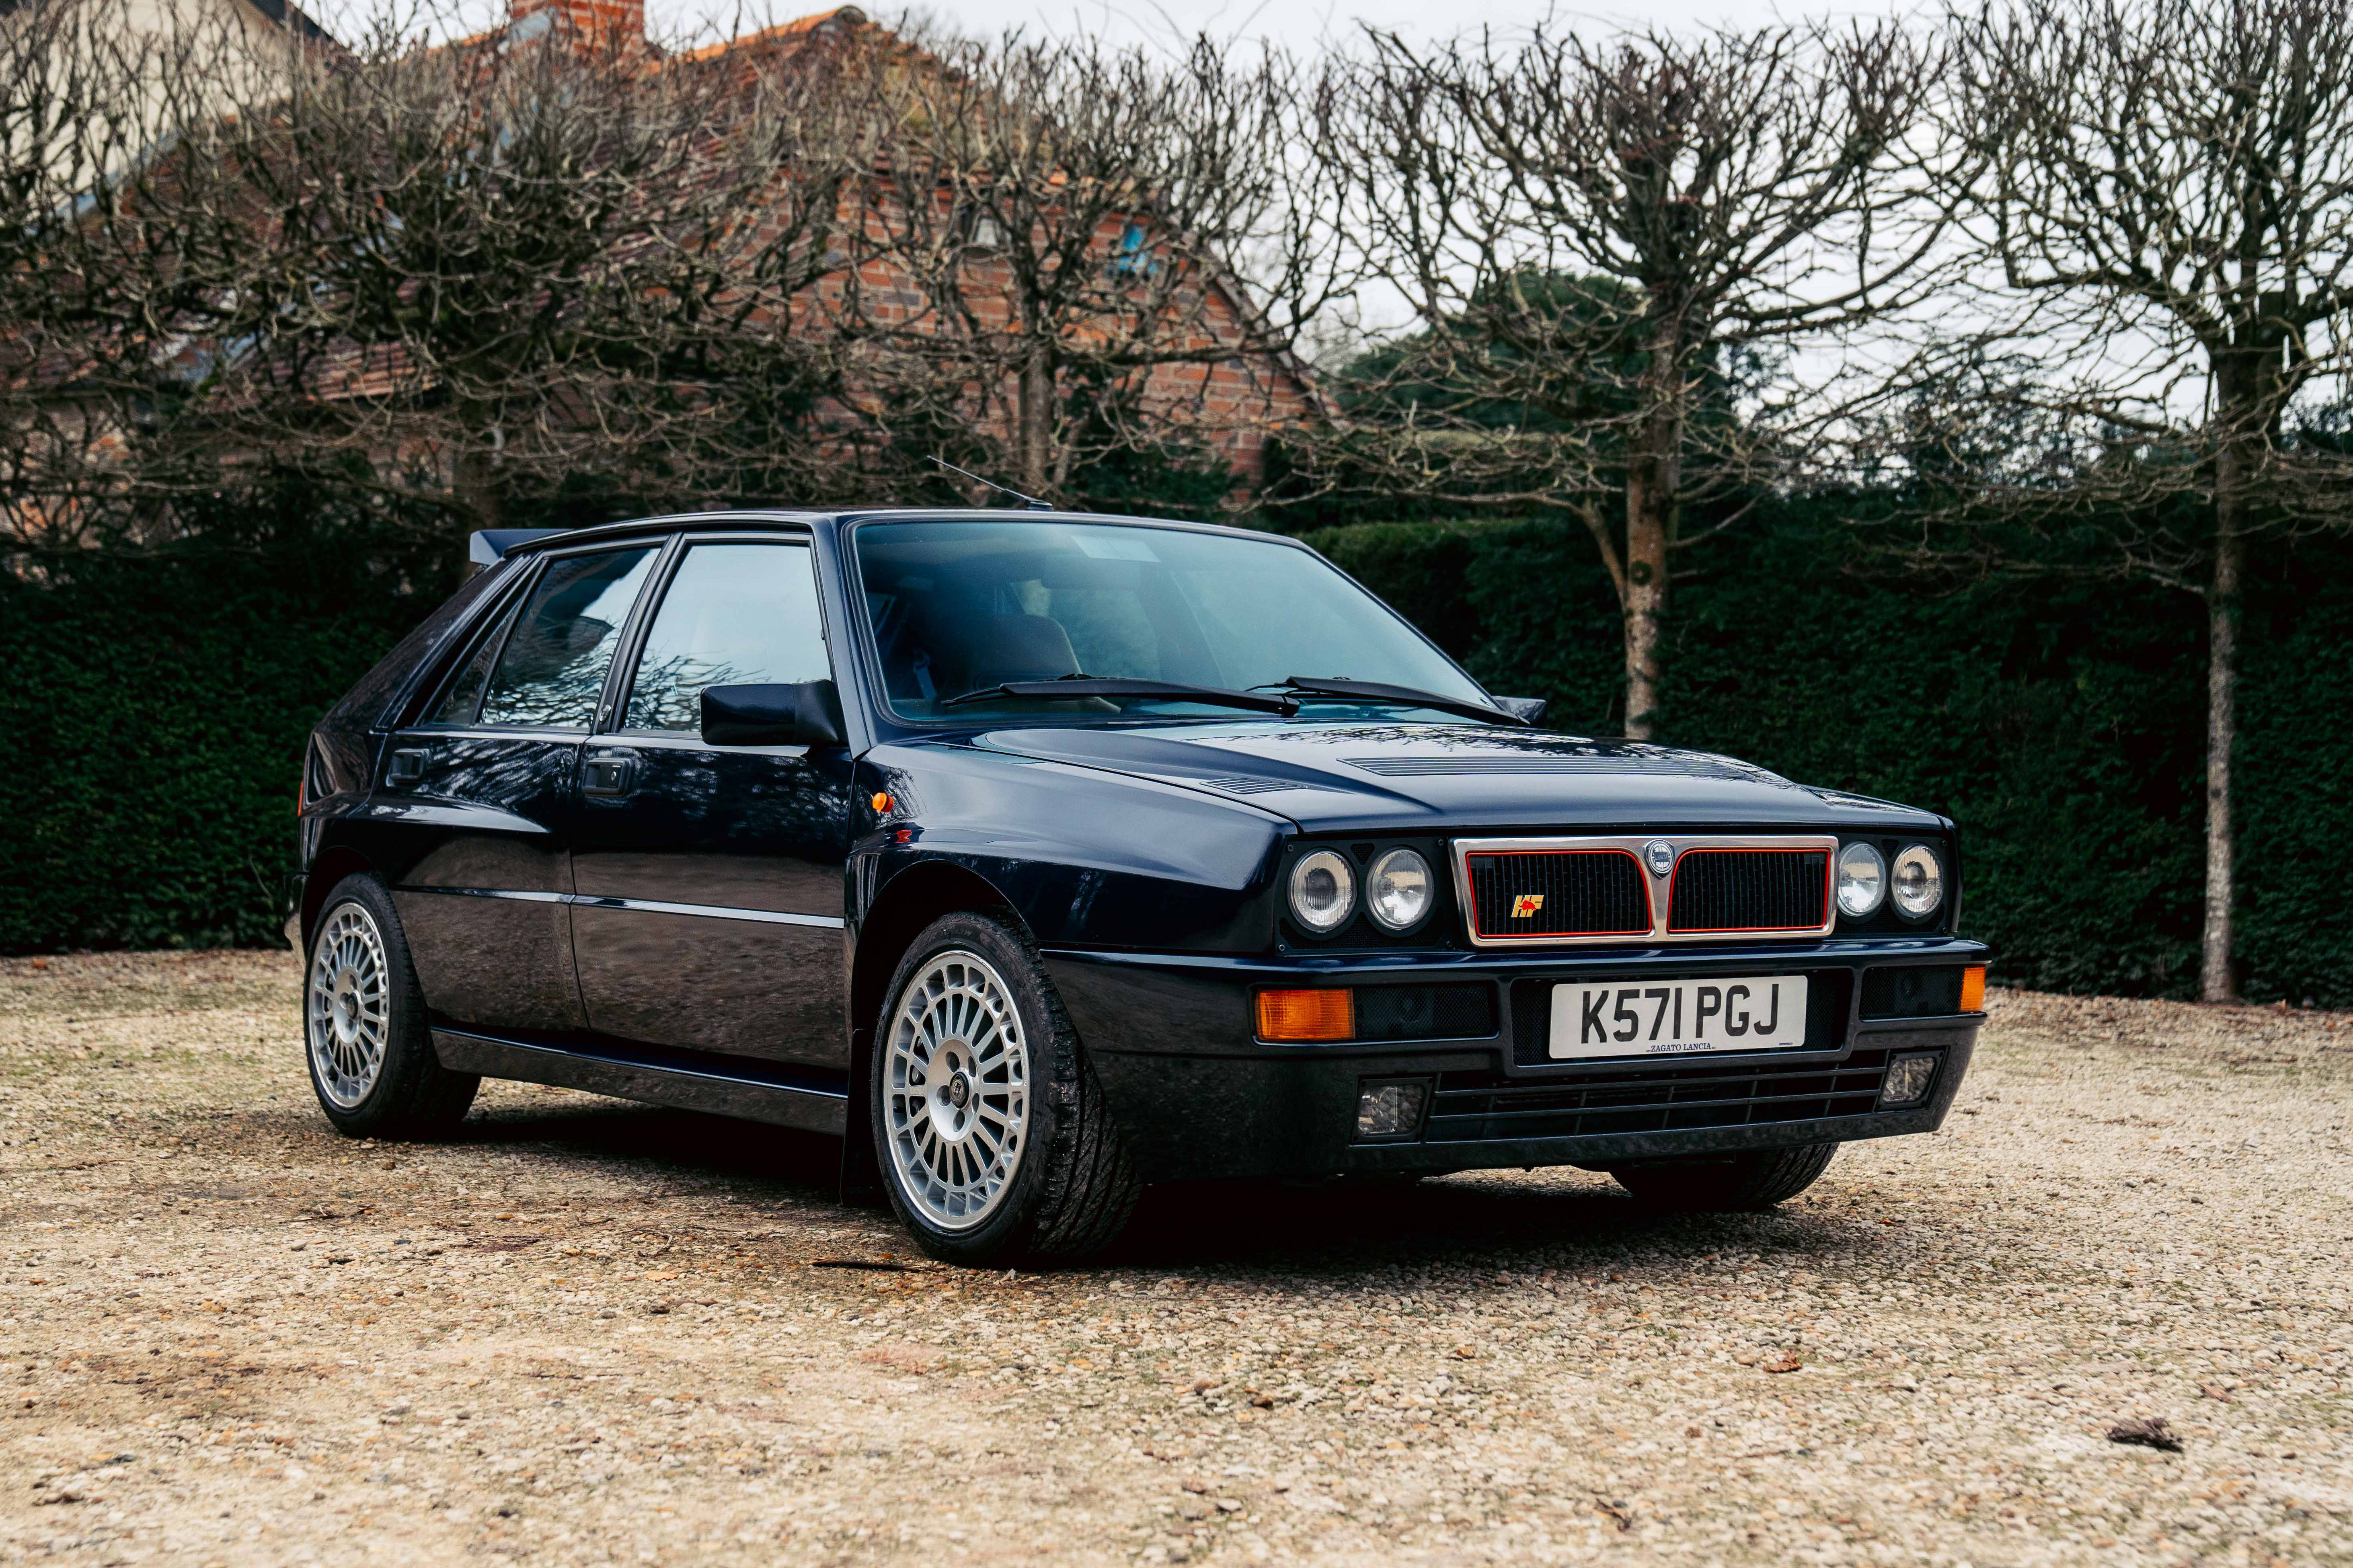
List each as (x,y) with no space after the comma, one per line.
(1555,1220)
(1552,1219)
(652,1141)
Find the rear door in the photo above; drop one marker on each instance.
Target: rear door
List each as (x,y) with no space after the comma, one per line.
(709,914)
(482,790)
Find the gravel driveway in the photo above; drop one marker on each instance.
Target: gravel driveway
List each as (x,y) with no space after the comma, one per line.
(591,1331)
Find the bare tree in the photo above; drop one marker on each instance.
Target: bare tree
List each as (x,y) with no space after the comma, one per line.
(461,275)
(1591,236)
(92,96)
(1088,252)
(2169,185)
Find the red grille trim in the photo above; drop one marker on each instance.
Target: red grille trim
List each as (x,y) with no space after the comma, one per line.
(1513,862)
(1649,909)
(1830,889)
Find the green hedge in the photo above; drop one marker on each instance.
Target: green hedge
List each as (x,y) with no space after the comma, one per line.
(156,709)
(2060,723)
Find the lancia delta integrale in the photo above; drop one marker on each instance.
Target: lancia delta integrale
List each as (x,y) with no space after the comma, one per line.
(1041,856)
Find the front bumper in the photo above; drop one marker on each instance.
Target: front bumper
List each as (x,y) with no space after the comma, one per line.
(1172,1041)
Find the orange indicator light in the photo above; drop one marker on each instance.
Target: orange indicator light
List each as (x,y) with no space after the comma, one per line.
(882,803)
(1973,989)
(1327,1014)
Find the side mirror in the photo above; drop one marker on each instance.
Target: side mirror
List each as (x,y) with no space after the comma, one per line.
(807,714)
(1531,709)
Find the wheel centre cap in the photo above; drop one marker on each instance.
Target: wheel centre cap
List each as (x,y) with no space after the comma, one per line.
(952,1091)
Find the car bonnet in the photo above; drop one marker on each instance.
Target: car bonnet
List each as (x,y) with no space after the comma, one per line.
(1414,777)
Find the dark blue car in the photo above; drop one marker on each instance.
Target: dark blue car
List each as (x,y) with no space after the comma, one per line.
(1041,856)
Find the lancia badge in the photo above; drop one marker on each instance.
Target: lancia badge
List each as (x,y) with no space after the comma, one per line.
(1525,905)
(1661,855)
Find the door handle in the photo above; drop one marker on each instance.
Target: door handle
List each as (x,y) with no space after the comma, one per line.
(608,775)
(407,765)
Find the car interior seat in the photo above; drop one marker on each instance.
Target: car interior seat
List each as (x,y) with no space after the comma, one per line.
(1020,647)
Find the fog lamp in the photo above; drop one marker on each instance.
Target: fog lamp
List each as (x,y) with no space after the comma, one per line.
(1908,1078)
(1391,1109)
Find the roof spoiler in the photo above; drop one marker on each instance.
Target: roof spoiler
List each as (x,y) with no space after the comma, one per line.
(488,546)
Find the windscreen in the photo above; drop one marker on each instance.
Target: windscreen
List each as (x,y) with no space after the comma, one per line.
(963,606)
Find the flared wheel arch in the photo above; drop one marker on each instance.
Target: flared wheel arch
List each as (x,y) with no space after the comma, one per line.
(907,904)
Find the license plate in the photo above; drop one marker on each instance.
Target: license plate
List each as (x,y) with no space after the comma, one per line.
(1678,1017)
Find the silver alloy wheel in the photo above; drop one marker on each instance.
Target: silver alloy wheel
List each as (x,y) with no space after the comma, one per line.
(348,1006)
(956,1087)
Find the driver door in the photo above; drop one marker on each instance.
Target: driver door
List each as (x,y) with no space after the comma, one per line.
(709,879)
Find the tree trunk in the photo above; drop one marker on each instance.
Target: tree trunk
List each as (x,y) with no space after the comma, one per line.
(2217,980)
(1653,484)
(1038,420)
(473,484)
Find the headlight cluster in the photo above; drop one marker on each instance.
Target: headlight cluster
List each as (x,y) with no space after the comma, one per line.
(1398,890)
(1917,885)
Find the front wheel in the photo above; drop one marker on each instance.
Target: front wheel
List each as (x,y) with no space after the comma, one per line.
(1735,1184)
(992,1136)
(371,1057)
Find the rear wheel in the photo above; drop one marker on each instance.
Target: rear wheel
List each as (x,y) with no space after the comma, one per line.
(991,1131)
(371,1059)
(1741,1183)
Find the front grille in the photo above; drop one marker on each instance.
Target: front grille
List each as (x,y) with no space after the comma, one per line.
(1911,990)
(1474,1105)
(1461,1012)
(1558,893)
(1749,889)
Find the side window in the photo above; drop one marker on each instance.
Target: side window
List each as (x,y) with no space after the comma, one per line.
(554,664)
(735,615)
(463,698)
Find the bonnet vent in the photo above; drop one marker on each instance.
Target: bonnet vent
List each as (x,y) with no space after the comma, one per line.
(1543,763)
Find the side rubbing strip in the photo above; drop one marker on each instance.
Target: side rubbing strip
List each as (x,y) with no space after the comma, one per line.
(710,911)
(648,906)
(524,896)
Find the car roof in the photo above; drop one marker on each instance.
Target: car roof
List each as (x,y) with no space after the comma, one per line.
(498,544)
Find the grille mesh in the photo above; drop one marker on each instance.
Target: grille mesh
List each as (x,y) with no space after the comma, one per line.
(1475,1106)
(1582,893)
(1462,1012)
(1749,889)
(1911,992)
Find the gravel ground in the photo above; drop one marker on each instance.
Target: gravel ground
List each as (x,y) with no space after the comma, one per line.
(590,1332)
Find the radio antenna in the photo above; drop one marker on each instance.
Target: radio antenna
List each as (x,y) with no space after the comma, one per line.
(1031,502)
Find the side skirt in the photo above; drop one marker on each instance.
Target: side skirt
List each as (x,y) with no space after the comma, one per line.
(757,1092)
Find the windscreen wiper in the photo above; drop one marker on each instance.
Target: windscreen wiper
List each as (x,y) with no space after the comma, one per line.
(1120,686)
(1405,696)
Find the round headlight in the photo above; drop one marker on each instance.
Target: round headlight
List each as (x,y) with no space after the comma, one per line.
(1322,891)
(1919,882)
(1398,892)
(1862,879)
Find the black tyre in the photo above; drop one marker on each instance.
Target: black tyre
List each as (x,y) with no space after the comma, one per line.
(1738,1184)
(371,1060)
(992,1134)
